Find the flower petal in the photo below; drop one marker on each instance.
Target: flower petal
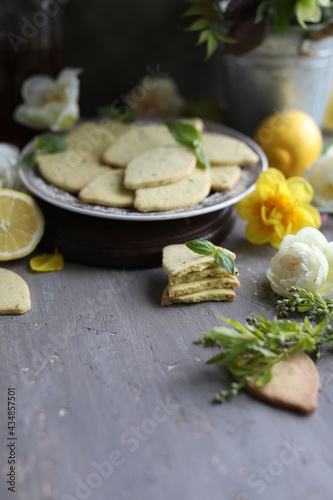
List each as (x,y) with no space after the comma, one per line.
(34,88)
(300,188)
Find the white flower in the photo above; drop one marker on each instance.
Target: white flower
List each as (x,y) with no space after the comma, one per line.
(50,103)
(320,176)
(9,156)
(304,260)
(158,97)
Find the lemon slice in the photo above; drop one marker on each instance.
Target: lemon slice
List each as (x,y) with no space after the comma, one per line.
(21,224)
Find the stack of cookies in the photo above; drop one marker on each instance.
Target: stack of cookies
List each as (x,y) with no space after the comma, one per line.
(195,278)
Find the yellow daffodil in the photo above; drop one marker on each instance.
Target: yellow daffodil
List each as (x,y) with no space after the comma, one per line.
(278,206)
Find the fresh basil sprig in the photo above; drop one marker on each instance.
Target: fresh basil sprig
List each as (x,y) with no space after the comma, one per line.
(114,113)
(250,351)
(187,135)
(221,256)
(45,144)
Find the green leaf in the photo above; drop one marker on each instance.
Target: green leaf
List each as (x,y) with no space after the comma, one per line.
(224,38)
(193,11)
(203,247)
(47,144)
(203,160)
(265,352)
(283,13)
(184,133)
(212,45)
(28,161)
(203,37)
(224,259)
(198,25)
(261,9)
(114,113)
(264,377)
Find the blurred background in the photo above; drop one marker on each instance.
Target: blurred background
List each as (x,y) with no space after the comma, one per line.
(112,41)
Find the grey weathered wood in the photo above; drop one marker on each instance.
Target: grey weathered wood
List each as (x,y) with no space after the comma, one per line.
(97,356)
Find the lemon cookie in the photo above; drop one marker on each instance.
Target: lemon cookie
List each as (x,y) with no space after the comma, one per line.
(14,293)
(227,150)
(68,170)
(178,260)
(108,189)
(183,193)
(225,177)
(159,166)
(90,139)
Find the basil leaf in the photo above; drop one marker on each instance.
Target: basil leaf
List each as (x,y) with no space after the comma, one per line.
(203,247)
(225,260)
(184,133)
(47,144)
(114,113)
(27,161)
(202,158)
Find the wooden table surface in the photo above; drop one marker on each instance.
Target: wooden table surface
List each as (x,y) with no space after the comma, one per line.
(113,399)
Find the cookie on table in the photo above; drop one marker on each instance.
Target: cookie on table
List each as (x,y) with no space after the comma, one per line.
(227,150)
(294,385)
(90,138)
(68,170)
(180,194)
(225,177)
(159,166)
(14,293)
(108,189)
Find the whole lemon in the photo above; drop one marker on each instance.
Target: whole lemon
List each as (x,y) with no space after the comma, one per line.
(291,140)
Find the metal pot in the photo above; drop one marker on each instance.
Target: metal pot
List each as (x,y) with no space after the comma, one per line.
(290,71)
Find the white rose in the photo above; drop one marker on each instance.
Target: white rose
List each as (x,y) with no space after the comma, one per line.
(9,157)
(304,260)
(50,103)
(320,176)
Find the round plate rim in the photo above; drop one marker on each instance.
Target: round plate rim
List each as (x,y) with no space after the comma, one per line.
(147,216)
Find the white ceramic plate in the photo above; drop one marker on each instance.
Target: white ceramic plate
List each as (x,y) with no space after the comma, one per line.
(216,201)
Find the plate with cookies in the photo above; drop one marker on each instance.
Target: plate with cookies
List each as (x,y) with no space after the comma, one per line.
(120,192)
(139,172)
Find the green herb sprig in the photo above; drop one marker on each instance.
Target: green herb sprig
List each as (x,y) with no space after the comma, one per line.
(303,301)
(221,256)
(250,351)
(210,20)
(187,135)
(114,113)
(45,144)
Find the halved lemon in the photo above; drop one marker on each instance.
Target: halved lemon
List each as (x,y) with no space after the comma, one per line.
(21,224)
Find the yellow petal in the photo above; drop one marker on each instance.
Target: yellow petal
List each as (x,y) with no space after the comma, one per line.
(300,188)
(47,262)
(256,233)
(271,176)
(306,215)
(246,206)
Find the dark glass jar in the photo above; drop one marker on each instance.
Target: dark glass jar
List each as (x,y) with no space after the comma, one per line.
(31,42)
